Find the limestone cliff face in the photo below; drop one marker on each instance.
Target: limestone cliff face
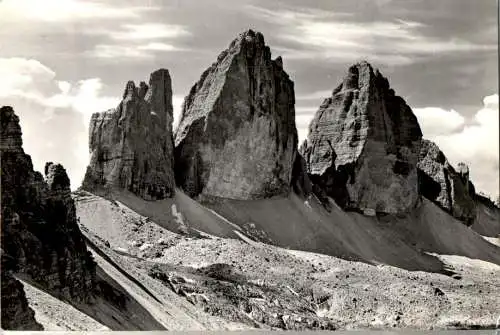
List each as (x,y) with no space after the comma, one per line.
(442,184)
(363,145)
(237,137)
(40,235)
(132,145)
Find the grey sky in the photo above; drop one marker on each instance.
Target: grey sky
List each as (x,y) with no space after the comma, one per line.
(440,54)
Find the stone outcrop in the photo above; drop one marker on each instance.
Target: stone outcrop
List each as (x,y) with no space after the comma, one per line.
(40,236)
(132,145)
(237,136)
(363,145)
(16,313)
(449,188)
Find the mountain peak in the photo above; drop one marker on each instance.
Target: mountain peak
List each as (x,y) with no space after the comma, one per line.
(131,146)
(363,123)
(237,135)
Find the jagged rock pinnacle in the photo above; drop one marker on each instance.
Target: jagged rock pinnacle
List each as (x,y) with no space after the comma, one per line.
(237,136)
(132,146)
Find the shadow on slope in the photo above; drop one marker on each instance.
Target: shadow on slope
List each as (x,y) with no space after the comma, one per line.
(434,230)
(117,309)
(291,222)
(399,241)
(487,220)
(112,306)
(305,225)
(194,215)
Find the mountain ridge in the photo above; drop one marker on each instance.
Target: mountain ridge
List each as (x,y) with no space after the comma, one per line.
(228,225)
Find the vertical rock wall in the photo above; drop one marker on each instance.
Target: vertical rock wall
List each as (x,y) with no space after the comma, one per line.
(237,137)
(363,145)
(442,184)
(132,145)
(40,235)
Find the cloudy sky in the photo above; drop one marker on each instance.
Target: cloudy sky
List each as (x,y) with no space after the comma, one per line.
(62,60)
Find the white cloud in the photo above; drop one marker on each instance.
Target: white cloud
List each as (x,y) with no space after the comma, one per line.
(146,51)
(156,46)
(476,143)
(35,94)
(85,97)
(118,51)
(146,31)
(65,10)
(315,95)
(436,121)
(177,101)
(305,110)
(302,122)
(140,40)
(23,78)
(293,14)
(339,40)
(31,80)
(491,101)
(64,86)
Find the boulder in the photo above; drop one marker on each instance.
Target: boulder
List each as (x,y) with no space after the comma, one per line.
(132,145)
(363,145)
(449,188)
(40,235)
(237,137)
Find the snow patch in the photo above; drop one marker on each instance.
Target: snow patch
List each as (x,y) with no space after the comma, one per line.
(492,240)
(133,243)
(178,215)
(225,220)
(189,280)
(179,219)
(369,212)
(258,282)
(145,246)
(245,238)
(198,265)
(203,234)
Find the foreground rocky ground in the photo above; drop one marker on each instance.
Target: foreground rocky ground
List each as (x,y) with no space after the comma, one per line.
(228,283)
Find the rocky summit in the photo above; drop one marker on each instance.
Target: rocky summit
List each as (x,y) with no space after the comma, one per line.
(363,145)
(449,188)
(132,145)
(41,239)
(237,137)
